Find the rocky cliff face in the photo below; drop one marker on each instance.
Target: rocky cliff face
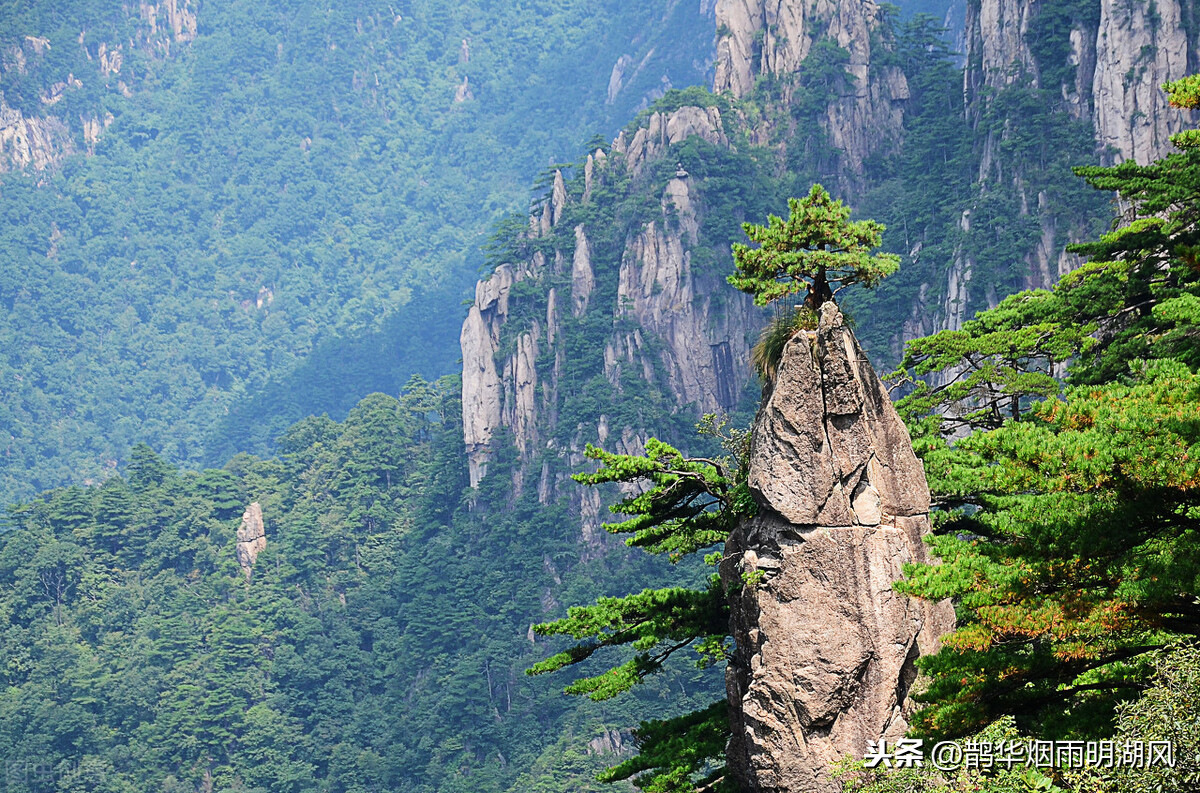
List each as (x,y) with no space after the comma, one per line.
(1101,65)
(773,37)
(671,325)
(1139,46)
(678,329)
(251,538)
(37,142)
(1119,55)
(41,138)
(666,325)
(824,647)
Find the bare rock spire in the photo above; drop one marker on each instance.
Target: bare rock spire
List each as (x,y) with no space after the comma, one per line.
(251,538)
(825,647)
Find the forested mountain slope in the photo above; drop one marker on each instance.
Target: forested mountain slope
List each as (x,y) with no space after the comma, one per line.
(375,643)
(235,214)
(264,231)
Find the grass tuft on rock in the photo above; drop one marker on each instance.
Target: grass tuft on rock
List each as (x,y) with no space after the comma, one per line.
(768,351)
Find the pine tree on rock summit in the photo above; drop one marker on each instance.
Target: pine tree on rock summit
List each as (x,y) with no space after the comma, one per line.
(818,251)
(682,505)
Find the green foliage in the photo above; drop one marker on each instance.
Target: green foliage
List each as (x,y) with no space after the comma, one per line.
(1049,38)
(998,361)
(283,214)
(1165,711)
(821,79)
(688,505)
(678,752)
(968,190)
(1069,525)
(817,252)
(682,505)
(1076,559)
(656,623)
(856,778)
(304,150)
(377,645)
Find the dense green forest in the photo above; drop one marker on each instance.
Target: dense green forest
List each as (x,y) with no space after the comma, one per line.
(378,645)
(283,214)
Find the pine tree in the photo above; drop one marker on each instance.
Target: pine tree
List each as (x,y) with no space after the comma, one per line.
(1069,523)
(684,505)
(817,251)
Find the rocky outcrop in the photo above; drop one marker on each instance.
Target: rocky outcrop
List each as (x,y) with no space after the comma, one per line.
(611,741)
(674,327)
(1117,55)
(1139,46)
(166,23)
(670,329)
(32,141)
(251,538)
(1117,67)
(702,348)
(480,392)
(463,92)
(761,37)
(997,52)
(664,129)
(825,648)
(38,142)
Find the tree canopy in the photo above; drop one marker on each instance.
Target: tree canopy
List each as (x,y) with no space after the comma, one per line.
(817,252)
(1069,521)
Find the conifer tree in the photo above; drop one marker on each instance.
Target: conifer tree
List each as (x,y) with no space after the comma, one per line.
(685,505)
(817,252)
(1069,523)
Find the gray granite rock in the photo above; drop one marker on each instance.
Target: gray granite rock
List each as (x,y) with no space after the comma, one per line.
(825,647)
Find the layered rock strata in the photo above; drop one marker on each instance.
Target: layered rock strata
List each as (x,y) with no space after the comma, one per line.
(825,648)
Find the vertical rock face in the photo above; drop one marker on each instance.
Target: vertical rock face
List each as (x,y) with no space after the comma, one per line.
(997,53)
(1117,56)
(251,538)
(763,37)
(659,289)
(675,326)
(825,648)
(481,393)
(1119,64)
(759,37)
(31,142)
(1139,46)
(167,22)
